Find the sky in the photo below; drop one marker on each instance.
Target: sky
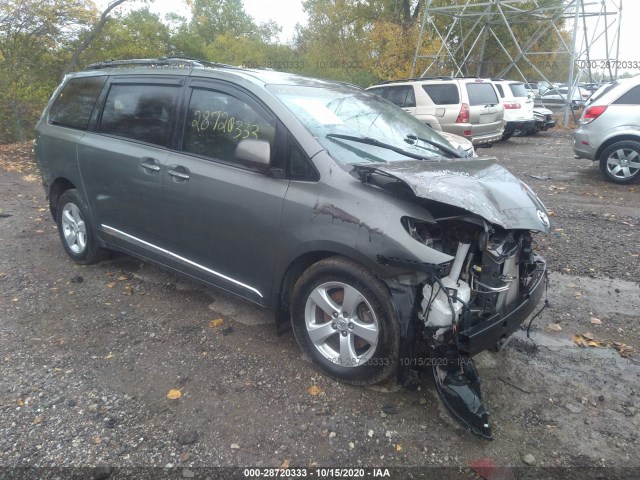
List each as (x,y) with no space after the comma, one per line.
(287,13)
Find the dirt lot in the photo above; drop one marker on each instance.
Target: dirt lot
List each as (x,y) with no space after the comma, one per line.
(89,354)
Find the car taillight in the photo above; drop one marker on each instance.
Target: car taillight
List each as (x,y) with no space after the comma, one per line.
(592,113)
(463,116)
(512,106)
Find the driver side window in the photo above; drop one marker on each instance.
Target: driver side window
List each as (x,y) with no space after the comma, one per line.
(217,122)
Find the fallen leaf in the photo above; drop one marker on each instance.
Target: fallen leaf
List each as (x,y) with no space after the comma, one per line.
(596,321)
(96,440)
(398,448)
(109,356)
(314,390)
(185,456)
(111,284)
(285,464)
(20,403)
(44,210)
(174,394)
(588,335)
(128,289)
(216,322)
(38,420)
(235,446)
(122,278)
(554,327)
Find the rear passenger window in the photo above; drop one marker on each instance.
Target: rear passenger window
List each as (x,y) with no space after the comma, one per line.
(74,105)
(217,122)
(140,112)
(481,94)
(632,97)
(401,96)
(500,90)
(443,94)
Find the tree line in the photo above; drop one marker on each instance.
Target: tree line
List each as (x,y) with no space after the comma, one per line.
(357,41)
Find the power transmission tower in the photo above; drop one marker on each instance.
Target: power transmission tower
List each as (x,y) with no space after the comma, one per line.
(587,38)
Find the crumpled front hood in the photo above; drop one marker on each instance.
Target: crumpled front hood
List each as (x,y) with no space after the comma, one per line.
(480,186)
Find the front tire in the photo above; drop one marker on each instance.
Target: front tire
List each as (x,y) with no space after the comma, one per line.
(75,230)
(620,162)
(342,317)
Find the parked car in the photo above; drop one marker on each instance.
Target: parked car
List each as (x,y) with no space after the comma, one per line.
(544,120)
(518,107)
(559,96)
(383,248)
(468,107)
(609,131)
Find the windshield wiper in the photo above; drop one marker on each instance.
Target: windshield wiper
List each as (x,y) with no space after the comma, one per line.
(377,143)
(444,148)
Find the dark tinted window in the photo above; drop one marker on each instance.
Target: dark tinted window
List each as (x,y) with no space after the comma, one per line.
(140,112)
(74,105)
(481,94)
(377,91)
(500,90)
(518,90)
(401,96)
(632,97)
(443,94)
(217,122)
(298,165)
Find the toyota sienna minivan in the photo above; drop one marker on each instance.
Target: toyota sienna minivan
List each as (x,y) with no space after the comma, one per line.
(383,246)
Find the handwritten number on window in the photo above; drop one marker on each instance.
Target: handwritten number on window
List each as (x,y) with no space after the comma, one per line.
(203,120)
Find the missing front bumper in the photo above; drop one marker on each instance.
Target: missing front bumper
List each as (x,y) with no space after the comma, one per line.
(487,333)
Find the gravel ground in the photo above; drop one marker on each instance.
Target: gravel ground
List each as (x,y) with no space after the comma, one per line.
(89,354)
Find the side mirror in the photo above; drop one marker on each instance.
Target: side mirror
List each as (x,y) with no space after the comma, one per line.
(254,153)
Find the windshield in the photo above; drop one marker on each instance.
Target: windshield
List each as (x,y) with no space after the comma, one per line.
(359,127)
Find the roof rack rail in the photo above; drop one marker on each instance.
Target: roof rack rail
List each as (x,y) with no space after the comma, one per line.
(175,62)
(417,79)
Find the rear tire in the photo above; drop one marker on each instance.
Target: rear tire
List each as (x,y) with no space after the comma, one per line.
(75,230)
(620,162)
(343,319)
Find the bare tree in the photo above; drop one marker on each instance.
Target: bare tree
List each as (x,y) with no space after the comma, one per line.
(91,35)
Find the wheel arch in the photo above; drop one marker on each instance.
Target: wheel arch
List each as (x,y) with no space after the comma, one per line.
(618,138)
(58,187)
(296,265)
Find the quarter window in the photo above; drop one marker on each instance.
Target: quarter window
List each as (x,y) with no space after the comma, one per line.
(446,94)
(140,112)
(74,105)
(217,122)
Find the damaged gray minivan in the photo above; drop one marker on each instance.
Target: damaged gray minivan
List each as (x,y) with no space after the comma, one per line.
(385,248)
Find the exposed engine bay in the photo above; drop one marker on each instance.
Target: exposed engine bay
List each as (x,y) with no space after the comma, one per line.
(467,310)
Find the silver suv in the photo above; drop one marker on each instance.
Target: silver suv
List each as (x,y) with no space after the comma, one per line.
(468,107)
(382,246)
(609,131)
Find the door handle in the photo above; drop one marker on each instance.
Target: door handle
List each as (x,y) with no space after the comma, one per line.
(180,176)
(150,165)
